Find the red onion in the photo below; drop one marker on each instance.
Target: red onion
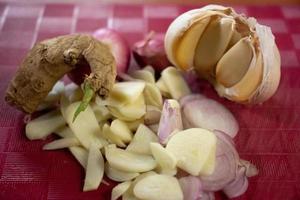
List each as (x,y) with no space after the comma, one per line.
(208,196)
(118,46)
(238,186)
(192,189)
(225,167)
(151,51)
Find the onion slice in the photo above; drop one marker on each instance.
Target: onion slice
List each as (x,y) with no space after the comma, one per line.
(238,186)
(209,114)
(192,189)
(226,164)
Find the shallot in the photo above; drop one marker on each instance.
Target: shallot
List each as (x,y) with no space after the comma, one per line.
(209,114)
(151,51)
(225,167)
(170,120)
(238,186)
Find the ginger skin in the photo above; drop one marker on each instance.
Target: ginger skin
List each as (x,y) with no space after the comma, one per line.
(49,60)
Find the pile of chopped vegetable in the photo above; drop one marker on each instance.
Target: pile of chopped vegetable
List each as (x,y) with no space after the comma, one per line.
(155,137)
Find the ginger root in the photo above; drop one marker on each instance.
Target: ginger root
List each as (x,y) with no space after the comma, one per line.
(49,60)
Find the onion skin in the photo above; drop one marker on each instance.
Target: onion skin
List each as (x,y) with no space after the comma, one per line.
(151,51)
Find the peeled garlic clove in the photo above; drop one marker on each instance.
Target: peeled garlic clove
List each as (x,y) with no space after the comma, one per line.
(221,54)
(212,44)
(234,64)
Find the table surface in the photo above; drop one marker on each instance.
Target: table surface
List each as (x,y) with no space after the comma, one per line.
(269,134)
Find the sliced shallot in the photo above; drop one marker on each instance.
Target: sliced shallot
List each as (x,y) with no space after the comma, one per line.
(238,186)
(226,164)
(209,114)
(192,189)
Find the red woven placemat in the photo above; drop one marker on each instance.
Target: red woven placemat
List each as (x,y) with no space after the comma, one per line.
(269,135)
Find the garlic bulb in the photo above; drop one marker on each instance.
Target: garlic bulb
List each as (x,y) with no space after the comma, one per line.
(234,53)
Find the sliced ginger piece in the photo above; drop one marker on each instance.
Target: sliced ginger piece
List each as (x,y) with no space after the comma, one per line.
(141,140)
(163,88)
(85,127)
(61,143)
(127,91)
(131,111)
(119,190)
(133,125)
(41,127)
(152,95)
(164,158)
(192,149)
(65,132)
(80,154)
(175,83)
(129,161)
(54,94)
(94,169)
(149,68)
(129,195)
(119,175)
(152,115)
(111,136)
(120,128)
(134,110)
(144,75)
(101,112)
(158,187)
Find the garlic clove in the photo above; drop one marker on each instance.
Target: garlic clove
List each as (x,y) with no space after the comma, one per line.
(179,26)
(185,51)
(253,84)
(212,44)
(241,91)
(234,64)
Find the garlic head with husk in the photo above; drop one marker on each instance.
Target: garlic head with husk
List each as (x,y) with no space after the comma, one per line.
(236,54)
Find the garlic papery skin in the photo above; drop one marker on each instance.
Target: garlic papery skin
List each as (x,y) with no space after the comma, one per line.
(237,55)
